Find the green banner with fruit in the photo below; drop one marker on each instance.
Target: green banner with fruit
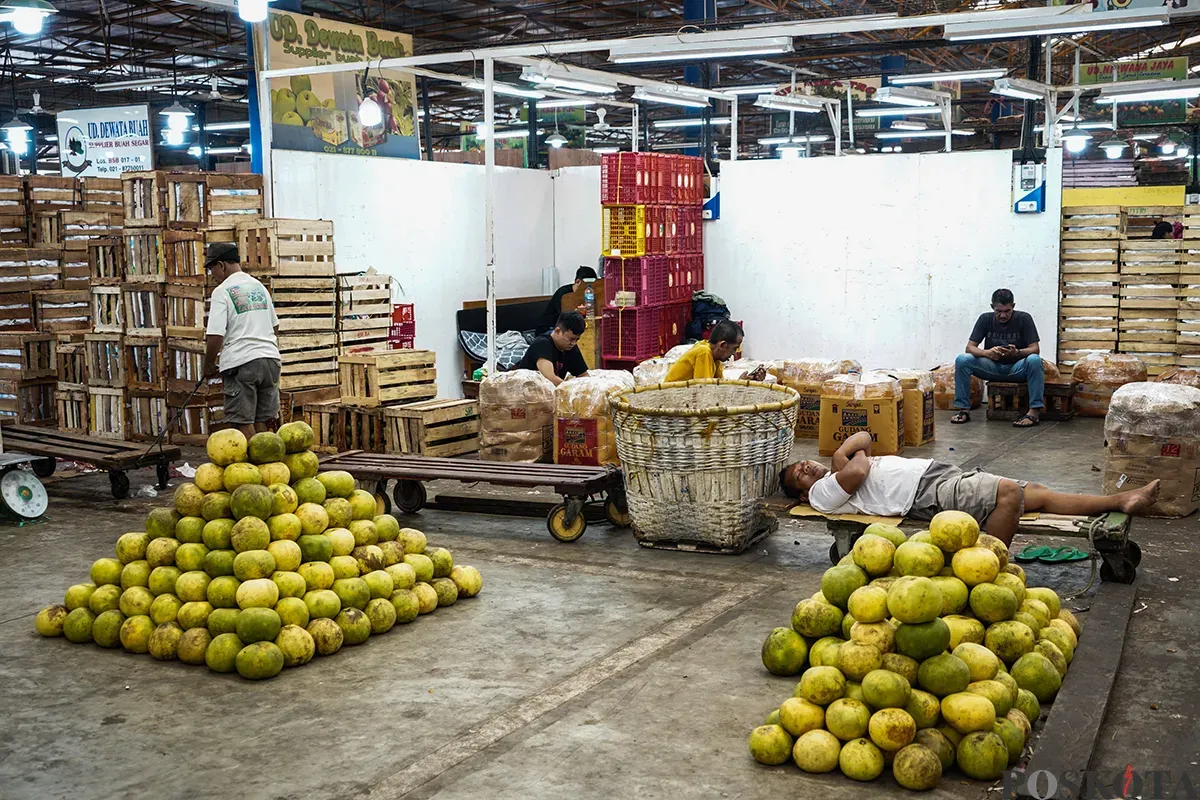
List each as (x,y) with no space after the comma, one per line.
(1162,112)
(325,112)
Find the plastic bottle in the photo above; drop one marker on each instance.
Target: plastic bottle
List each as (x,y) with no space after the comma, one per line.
(589,300)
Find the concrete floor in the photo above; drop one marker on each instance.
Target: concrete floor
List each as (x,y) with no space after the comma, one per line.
(592,670)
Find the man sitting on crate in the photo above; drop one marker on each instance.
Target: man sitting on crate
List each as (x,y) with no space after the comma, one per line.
(242,329)
(1003,347)
(556,354)
(918,488)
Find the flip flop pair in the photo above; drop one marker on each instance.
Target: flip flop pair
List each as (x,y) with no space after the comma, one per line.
(1050,555)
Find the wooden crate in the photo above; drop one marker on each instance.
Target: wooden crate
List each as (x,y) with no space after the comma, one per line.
(183,256)
(324,419)
(71,364)
(361,429)
(45,229)
(14,222)
(145,257)
(71,409)
(103,195)
(1138,221)
(375,379)
(78,228)
(45,196)
(106,261)
(308,361)
(433,428)
(186,197)
(305,305)
(108,309)
(145,370)
(76,273)
(186,310)
(1148,319)
(106,413)
(62,310)
(1187,341)
(364,313)
(233,199)
(195,420)
(28,402)
(144,198)
(105,357)
(27,356)
(1010,401)
(30,269)
(291,404)
(16,311)
(144,311)
(185,366)
(1089,287)
(295,248)
(148,416)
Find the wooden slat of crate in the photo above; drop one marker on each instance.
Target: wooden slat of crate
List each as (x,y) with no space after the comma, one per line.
(144,199)
(148,416)
(308,361)
(71,407)
(106,261)
(387,378)
(106,413)
(28,402)
(305,305)
(361,429)
(233,199)
(75,272)
(70,363)
(78,228)
(433,428)
(47,193)
(29,269)
(14,222)
(185,311)
(291,404)
(144,363)
(324,419)
(183,257)
(105,356)
(1092,222)
(186,195)
(45,229)
(185,367)
(364,312)
(62,310)
(1139,221)
(27,356)
(103,195)
(108,309)
(288,247)
(16,311)
(143,309)
(196,420)
(145,259)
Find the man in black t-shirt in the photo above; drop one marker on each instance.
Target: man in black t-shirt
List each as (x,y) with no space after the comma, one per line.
(1003,347)
(556,354)
(549,317)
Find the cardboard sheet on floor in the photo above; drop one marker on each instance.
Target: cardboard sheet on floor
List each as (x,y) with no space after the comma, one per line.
(805,510)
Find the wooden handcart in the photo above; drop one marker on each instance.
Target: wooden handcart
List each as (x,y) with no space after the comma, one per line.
(116,457)
(579,486)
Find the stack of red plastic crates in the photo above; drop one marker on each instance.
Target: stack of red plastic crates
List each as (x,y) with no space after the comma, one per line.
(402,335)
(651,235)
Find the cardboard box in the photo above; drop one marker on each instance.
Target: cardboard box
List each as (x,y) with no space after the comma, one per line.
(364,136)
(808,415)
(1134,460)
(918,420)
(329,125)
(842,417)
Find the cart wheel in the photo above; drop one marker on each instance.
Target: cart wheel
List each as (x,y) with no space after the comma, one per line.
(383,503)
(557,525)
(834,558)
(44,467)
(409,496)
(1135,553)
(163,471)
(616,517)
(119,482)
(1122,571)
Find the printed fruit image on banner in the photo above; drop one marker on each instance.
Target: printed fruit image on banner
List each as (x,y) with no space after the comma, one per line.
(1162,112)
(320,113)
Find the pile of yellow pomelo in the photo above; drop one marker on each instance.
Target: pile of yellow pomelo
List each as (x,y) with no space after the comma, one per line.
(263,562)
(920,654)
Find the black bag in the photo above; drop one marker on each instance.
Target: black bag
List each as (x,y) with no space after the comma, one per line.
(705,314)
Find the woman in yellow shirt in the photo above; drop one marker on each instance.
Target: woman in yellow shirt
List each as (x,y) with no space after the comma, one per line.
(705,359)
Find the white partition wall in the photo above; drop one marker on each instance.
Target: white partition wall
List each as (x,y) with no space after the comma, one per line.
(888,259)
(576,219)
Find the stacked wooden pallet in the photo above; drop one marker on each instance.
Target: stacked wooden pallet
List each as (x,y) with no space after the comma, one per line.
(371,384)
(1187,341)
(28,370)
(1089,289)
(1149,311)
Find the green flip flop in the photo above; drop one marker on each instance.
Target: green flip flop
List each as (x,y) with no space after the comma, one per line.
(1063,554)
(1033,552)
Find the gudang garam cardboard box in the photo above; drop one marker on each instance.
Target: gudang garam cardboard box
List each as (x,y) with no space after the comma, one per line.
(806,375)
(1151,431)
(917,385)
(583,428)
(872,402)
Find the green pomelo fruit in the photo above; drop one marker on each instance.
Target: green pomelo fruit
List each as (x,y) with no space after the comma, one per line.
(917,768)
(426,597)
(952,531)
(194,615)
(919,559)
(222,591)
(135,634)
(259,661)
(327,636)
(221,655)
(1009,640)
(132,546)
(164,609)
(923,640)
(105,598)
(106,629)
(161,522)
(884,689)
(135,573)
(407,606)
(209,477)
(967,712)
(891,729)
(216,506)
(162,580)
(309,490)
(982,755)
(257,593)
(253,564)
(188,497)
(258,625)
(193,645)
(192,587)
(265,447)
(77,627)
(287,555)
(784,651)
(944,675)
(821,685)
(363,506)
(339,512)
(296,644)
(770,744)
(386,527)
(218,534)
(226,447)
(316,574)
(847,719)
(873,554)
(811,618)
(164,642)
(369,558)
(50,620)
(223,620)
(284,499)
(861,760)
(337,483)
(381,614)
(355,625)
(292,611)
(363,531)
(296,436)
(302,465)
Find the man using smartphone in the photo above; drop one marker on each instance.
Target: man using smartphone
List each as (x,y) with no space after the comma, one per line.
(1003,347)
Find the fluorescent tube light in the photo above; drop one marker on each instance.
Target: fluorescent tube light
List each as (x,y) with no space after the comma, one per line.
(937,77)
(931,134)
(549,75)
(1087,126)
(671,97)
(759,88)
(1068,22)
(551,104)
(506,89)
(1160,90)
(604,150)
(1020,89)
(892,111)
(227,126)
(801,103)
(635,51)
(909,125)
(690,122)
(816,138)
(910,96)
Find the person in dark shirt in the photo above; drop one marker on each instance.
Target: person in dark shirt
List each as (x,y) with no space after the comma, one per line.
(1003,347)
(550,316)
(556,354)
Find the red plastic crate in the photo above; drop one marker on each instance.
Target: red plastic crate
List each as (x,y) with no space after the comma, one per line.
(402,336)
(645,276)
(627,178)
(403,313)
(632,333)
(695,274)
(654,229)
(677,285)
(672,322)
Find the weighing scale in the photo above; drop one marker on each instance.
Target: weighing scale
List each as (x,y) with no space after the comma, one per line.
(22,496)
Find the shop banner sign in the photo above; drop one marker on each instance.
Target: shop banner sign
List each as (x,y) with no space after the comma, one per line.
(1161,112)
(104,142)
(319,113)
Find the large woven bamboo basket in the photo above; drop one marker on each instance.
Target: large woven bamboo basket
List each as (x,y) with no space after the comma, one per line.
(698,456)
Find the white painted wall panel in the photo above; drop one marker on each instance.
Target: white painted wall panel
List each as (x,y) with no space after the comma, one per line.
(576,219)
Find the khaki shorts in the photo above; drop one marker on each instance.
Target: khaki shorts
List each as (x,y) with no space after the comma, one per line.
(945,487)
(252,392)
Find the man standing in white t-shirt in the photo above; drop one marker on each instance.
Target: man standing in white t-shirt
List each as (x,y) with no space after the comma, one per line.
(242,330)
(918,488)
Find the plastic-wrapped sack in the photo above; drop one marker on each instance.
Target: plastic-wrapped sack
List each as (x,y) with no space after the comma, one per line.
(1101,374)
(872,402)
(1152,430)
(1051,372)
(516,417)
(917,385)
(1182,376)
(943,388)
(654,370)
(583,430)
(738,370)
(806,375)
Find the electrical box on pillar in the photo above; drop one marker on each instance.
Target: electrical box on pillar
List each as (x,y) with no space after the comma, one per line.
(1029,186)
(712,199)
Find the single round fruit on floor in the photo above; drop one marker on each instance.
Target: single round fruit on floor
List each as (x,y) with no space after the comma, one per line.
(50,620)
(924,708)
(953,530)
(193,645)
(822,685)
(327,636)
(468,579)
(78,625)
(770,744)
(810,618)
(258,625)
(922,640)
(891,728)
(221,655)
(917,767)
(259,661)
(356,627)
(967,713)
(817,751)
(982,662)
(164,642)
(982,755)
(106,629)
(847,719)
(1014,739)
(135,634)
(938,744)
(798,716)
(407,606)
(1034,673)
(783,653)
(861,760)
(996,692)
(447,592)
(296,644)
(1009,640)
(944,675)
